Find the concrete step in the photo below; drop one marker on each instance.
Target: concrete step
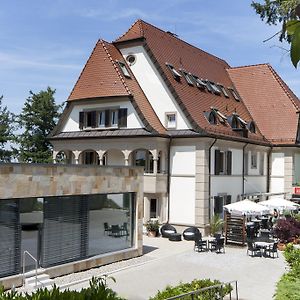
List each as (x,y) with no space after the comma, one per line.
(43,280)
(32,272)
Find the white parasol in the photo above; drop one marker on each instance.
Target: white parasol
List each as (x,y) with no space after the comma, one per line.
(246,207)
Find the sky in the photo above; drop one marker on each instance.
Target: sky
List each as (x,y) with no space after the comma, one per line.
(47,43)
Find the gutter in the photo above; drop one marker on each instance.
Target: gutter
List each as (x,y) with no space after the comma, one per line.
(243,187)
(169,178)
(209,178)
(268,169)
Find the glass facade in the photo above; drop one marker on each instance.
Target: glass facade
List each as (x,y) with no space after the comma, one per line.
(57,230)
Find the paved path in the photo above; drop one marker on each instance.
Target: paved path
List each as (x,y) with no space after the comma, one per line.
(171,262)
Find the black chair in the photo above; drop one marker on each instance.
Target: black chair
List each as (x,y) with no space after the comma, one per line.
(124,229)
(167,230)
(213,243)
(200,245)
(107,228)
(189,233)
(220,245)
(253,249)
(272,249)
(116,231)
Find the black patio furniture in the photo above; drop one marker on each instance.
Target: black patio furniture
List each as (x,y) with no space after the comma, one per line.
(200,245)
(166,230)
(212,242)
(175,237)
(253,249)
(220,245)
(116,231)
(189,233)
(271,249)
(107,228)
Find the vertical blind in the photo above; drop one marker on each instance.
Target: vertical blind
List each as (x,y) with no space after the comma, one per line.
(10,242)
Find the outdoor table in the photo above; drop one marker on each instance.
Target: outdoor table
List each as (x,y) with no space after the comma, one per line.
(209,241)
(263,245)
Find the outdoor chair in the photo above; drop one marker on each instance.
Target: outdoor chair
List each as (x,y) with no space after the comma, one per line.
(272,249)
(124,229)
(107,228)
(200,245)
(220,245)
(213,244)
(254,250)
(167,230)
(189,233)
(115,231)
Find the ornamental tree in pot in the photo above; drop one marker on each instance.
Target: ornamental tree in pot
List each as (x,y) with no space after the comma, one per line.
(152,227)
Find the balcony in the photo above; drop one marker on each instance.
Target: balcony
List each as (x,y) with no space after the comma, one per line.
(155,183)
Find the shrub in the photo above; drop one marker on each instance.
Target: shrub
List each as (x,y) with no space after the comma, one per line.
(288,286)
(287,229)
(195,285)
(98,290)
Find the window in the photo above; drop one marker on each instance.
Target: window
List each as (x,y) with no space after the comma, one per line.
(131,59)
(251,127)
(143,158)
(103,118)
(253,160)
(171,120)
(234,93)
(175,73)
(114,118)
(200,83)
(153,208)
(223,90)
(215,89)
(188,77)
(124,69)
(223,162)
(261,163)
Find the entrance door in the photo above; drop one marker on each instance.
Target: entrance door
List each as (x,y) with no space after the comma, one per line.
(153,208)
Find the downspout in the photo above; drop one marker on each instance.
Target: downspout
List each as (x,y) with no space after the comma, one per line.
(243,187)
(169,177)
(268,169)
(209,179)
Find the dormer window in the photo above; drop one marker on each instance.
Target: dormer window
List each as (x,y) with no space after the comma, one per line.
(223,90)
(252,127)
(101,118)
(200,83)
(236,121)
(171,120)
(211,117)
(114,118)
(124,69)
(188,77)
(234,94)
(174,72)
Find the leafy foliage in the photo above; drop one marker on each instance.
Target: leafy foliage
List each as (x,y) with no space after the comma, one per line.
(6,132)
(195,285)
(216,224)
(288,286)
(286,12)
(287,229)
(38,118)
(98,290)
(152,225)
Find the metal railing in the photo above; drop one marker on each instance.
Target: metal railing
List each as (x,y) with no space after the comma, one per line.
(214,292)
(36,266)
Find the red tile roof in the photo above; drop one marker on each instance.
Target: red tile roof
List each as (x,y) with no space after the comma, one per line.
(269,100)
(164,48)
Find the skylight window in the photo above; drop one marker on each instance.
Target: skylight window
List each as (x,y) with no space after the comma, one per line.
(188,77)
(223,90)
(199,83)
(124,69)
(175,73)
(234,94)
(222,118)
(209,87)
(215,88)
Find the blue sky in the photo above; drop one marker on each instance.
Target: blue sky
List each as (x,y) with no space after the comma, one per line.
(46,43)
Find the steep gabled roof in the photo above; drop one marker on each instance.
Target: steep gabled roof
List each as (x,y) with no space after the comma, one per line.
(269,100)
(100,77)
(164,47)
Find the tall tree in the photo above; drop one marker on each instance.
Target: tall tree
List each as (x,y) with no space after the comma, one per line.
(37,119)
(6,132)
(286,13)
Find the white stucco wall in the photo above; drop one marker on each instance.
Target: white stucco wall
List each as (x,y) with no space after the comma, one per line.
(183,160)
(297,168)
(255,184)
(72,123)
(277,172)
(154,87)
(182,200)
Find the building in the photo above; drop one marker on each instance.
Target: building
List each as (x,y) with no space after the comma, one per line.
(205,133)
(59,214)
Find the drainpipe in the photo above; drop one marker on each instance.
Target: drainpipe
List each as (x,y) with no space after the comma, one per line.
(243,187)
(268,169)
(169,177)
(209,179)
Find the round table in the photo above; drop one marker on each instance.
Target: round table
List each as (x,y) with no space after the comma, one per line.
(175,237)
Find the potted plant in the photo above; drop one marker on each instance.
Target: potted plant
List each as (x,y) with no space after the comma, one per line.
(216,225)
(152,227)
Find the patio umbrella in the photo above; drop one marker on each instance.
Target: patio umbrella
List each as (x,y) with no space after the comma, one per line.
(280,204)
(246,207)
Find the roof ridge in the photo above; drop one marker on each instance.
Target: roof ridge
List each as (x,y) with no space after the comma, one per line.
(122,35)
(284,88)
(83,70)
(249,66)
(114,65)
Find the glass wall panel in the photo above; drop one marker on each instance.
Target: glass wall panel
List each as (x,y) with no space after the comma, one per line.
(110,223)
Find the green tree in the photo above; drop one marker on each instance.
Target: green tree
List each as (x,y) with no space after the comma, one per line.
(37,119)
(6,132)
(286,13)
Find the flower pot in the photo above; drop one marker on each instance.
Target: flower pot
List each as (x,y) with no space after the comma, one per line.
(152,233)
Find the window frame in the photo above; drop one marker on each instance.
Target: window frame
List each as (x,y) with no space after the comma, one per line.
(167,114)
(253,160)
(124,69)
